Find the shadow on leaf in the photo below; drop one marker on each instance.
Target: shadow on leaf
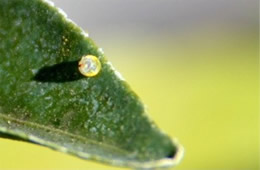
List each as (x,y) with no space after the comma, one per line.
(62,72)
(12,137)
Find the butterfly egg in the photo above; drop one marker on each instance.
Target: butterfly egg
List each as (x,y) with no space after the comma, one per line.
(89,66)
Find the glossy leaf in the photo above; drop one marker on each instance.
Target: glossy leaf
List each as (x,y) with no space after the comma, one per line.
(45,99)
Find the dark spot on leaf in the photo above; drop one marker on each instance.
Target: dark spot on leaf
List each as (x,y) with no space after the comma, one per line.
(62,72)
(171,154)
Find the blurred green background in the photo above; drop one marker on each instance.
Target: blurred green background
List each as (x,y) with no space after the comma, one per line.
(193,63)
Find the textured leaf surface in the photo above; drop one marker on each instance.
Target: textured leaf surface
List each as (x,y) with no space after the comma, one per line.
(44,98)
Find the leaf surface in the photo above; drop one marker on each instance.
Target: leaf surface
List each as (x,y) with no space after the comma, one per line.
(45,99)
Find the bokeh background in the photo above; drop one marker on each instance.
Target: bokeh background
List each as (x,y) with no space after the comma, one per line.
(194,63)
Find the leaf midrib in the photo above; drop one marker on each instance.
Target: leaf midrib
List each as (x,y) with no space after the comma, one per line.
(36,125)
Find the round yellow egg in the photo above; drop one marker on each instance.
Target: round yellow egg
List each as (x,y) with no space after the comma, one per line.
(89,65)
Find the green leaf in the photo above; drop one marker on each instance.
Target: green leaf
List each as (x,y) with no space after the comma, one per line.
(44,99)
